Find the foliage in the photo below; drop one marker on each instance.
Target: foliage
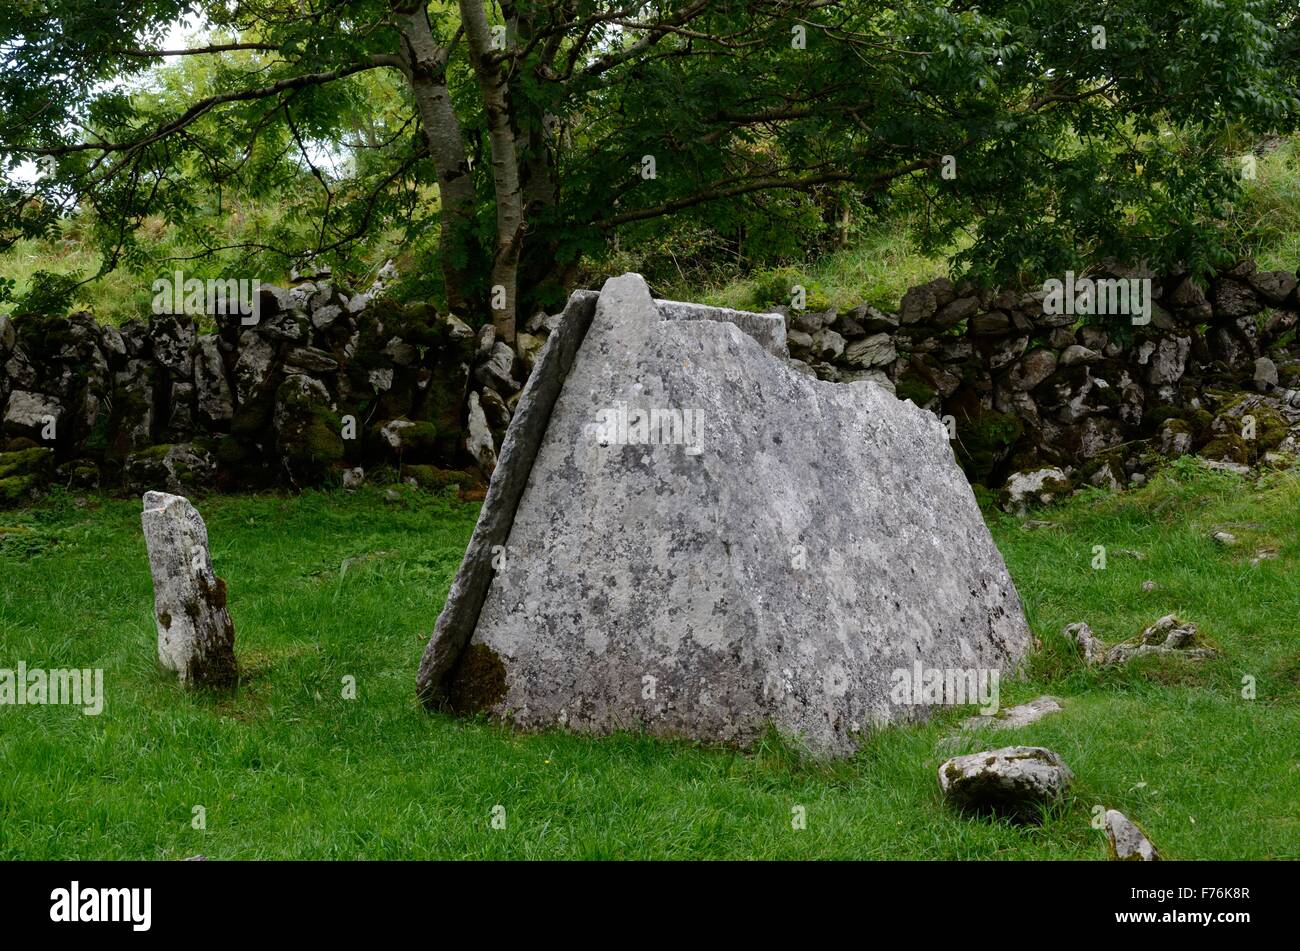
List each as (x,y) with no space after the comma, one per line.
(1065,149)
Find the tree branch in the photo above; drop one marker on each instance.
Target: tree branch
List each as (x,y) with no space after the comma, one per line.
(137,53)
(768,183)
(204,106)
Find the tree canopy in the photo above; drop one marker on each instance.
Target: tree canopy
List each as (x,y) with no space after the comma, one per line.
(527,134)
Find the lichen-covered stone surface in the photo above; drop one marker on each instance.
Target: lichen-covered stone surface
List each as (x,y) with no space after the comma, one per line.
(1125,841)
(518,452)
(1015,782)
(711,543)
(1167,637)
(1013,718)
(196,638)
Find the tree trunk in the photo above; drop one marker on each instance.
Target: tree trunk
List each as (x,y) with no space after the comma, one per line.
(542,280)
(505,168)
(459,247)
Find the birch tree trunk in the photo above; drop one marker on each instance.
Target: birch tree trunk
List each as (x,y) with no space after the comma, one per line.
(505,167)
(425,64)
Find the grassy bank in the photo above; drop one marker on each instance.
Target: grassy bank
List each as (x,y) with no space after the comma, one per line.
(330,585)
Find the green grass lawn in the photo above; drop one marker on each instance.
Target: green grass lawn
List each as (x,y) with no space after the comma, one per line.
(329,585)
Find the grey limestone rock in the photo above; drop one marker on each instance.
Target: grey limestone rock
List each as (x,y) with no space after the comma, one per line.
(1089,644)
(709,543)
(479,440)
(1276,287)
(1015,717)
(519,449)
(253,368)
(1125,841)
(828,344)
(497,370)
(874,351)
(1076,354)
(196,638)
(771,334)
(1167,637)
(1265,374)
(1016,781)
(1033,487)
(30,414)
(1167,362)
(213,391)
(179,467)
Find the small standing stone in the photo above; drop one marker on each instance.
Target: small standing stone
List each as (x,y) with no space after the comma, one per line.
(196,638)
(1125,840)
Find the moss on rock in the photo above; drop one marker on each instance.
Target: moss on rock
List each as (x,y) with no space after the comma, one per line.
(479,681)
(24,473)
(1227,447)
(308,432)
(985,440)
(911,386)
(436,479)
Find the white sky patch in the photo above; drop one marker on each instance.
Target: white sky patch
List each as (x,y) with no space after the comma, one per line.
(181,34)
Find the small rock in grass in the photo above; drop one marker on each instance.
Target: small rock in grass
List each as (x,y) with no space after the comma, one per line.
(1015,782)
(1089,644)
(1226,539)
(1013,717)
(1149,585)
(1168,636)
(1033,487)
(1224,465)
(1125,841)
(354,478)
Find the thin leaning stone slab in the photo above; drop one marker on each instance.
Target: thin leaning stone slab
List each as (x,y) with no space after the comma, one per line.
(519,448)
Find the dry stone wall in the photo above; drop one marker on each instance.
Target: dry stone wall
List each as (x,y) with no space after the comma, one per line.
(317,384)
(332,385)
(1042,402)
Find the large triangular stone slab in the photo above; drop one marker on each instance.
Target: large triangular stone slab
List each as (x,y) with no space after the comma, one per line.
(693,539)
